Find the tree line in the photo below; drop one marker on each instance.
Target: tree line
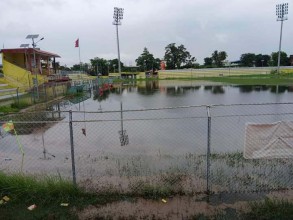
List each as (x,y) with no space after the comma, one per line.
(178,57)
(218,59)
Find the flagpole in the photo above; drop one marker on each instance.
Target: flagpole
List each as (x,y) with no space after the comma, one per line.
(79,55)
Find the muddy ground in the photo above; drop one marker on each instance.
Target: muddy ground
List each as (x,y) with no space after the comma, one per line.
(179,207)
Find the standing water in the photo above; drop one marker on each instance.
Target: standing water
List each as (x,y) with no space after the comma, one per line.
(164,142)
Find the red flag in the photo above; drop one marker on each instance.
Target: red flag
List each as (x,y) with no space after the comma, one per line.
(77,43)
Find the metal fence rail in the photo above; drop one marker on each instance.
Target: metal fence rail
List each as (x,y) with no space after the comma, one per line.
(44,93)
(185,149)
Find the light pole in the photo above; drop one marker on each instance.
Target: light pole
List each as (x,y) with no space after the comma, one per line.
(25,55)
(118,15)
(34,44)
(262,63)
(281,12)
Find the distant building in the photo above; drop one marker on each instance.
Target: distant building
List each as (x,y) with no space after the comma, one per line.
(163,65)
(231,63)
(19,67)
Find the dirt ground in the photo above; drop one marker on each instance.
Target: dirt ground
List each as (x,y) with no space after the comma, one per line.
(178,207)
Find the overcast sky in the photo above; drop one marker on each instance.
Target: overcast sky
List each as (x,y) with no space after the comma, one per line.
(202,26)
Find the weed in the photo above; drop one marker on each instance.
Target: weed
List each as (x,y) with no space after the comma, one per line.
(20,105)
(270,209)
(47,193)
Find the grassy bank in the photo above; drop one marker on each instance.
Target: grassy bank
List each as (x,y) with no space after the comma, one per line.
(245,79)
(49,193)
(284,79)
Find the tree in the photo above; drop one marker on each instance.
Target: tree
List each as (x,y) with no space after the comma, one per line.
(113,65)
(208,62)
(177,56)
(80,67)
(284,60)
(146,61)
(262,60)
(99,66)
(247,59)
(218,58)
(190,63)
(64,68)
(157,63)
(85,67)
(103,66)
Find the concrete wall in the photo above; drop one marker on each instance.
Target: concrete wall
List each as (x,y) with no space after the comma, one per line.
(19,77)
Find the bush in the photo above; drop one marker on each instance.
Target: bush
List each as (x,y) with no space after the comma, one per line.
(270,209)
(274,72)
(20,105)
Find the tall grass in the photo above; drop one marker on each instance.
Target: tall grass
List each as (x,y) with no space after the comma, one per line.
(14,107)
(30,189)
(47,193)
(270,209)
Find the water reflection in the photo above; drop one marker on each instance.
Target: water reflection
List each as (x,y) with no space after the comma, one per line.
(258,88)
(208,87)
(218,90)
(101,96)
(81,98)
(279,89)
(149,88)
(183,88)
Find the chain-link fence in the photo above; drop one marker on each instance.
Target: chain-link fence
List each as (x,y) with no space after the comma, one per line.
(185,150)
(41,94)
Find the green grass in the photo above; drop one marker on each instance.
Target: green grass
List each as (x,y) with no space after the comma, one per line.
(14,107)
(284,78)
(265,210)
(8,109)
(269,210)
(47,193)
(252,79)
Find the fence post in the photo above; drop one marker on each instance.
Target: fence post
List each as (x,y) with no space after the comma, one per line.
(63,88)
(121,116)
(46,98)
(208,150)
(55,91)
(72,148)
(17,95)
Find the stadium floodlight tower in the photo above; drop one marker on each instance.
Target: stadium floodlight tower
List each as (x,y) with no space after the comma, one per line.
(118,16)
(281,12)
(34,44)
